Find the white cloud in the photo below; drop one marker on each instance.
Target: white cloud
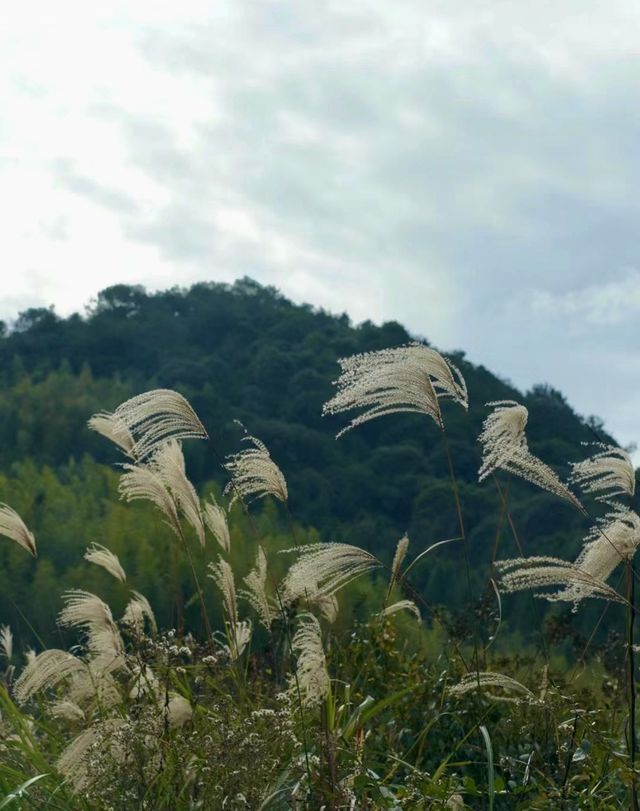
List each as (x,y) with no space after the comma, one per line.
(466,168)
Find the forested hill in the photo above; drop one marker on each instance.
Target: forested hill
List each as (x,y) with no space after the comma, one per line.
(245,352)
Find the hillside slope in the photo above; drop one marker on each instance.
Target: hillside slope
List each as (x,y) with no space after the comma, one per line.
(245,352)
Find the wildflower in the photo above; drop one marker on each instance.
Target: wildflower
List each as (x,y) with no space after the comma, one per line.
(409,378)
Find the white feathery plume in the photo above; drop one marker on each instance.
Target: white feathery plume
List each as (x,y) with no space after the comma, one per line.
(72,763)
(239,636)
(222,575)
(327,605)
(215,517)
(324,568)
(85,610)
(30,655)
(137,609)
(409,378)
(151,419)
(616,539)
(68,710)
(140,482)
(256,594)
(13,527)
(484,680)
(311,666)
(518,574)
(101,556)
(609,472)
(47,669)
(254,474)
(94,685)
(168,463)
(504,446)
(105,643)
(114,429)
(6,642)
(398,558)
(402,605)
(179,711)
(145,683)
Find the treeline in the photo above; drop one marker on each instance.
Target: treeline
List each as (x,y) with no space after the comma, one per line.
(244,352)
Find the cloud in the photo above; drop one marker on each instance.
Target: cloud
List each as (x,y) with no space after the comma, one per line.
(466,168)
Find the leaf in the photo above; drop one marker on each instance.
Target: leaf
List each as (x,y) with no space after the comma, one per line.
(18,792)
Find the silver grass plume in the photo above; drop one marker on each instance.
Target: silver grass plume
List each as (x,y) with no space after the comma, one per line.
(30,655)
(114,429)
(504,447)
(398,558)
(215,517)
(519,574)
(141,482)
(47,669)
(144,683)
(615,540)
(94,686)
(254,474)
(256,591)
(409,378)
(85,610)
(238,637)
(168,463)
(101,556)
(609,472)
(402,605)
(72,763)
(327,605)
(13,527)
(6,642)
(67,710)
(179,711)
(486,680)
(222,575)
(150,419)
(323,569)
(137,609)
(311,666)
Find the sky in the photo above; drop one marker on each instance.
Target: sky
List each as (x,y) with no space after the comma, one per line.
(470,168)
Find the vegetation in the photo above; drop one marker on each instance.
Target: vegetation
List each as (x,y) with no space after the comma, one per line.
(244,352)
(327,677)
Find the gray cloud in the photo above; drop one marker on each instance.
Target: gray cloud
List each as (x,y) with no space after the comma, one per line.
(470,169)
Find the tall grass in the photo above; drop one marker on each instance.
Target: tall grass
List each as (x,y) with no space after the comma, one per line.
(278,710)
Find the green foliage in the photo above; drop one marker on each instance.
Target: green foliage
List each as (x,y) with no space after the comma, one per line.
(244,351)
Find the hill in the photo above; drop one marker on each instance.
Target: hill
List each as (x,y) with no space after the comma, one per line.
(244,352)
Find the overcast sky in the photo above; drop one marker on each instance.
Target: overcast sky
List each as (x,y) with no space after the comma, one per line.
(469,168)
